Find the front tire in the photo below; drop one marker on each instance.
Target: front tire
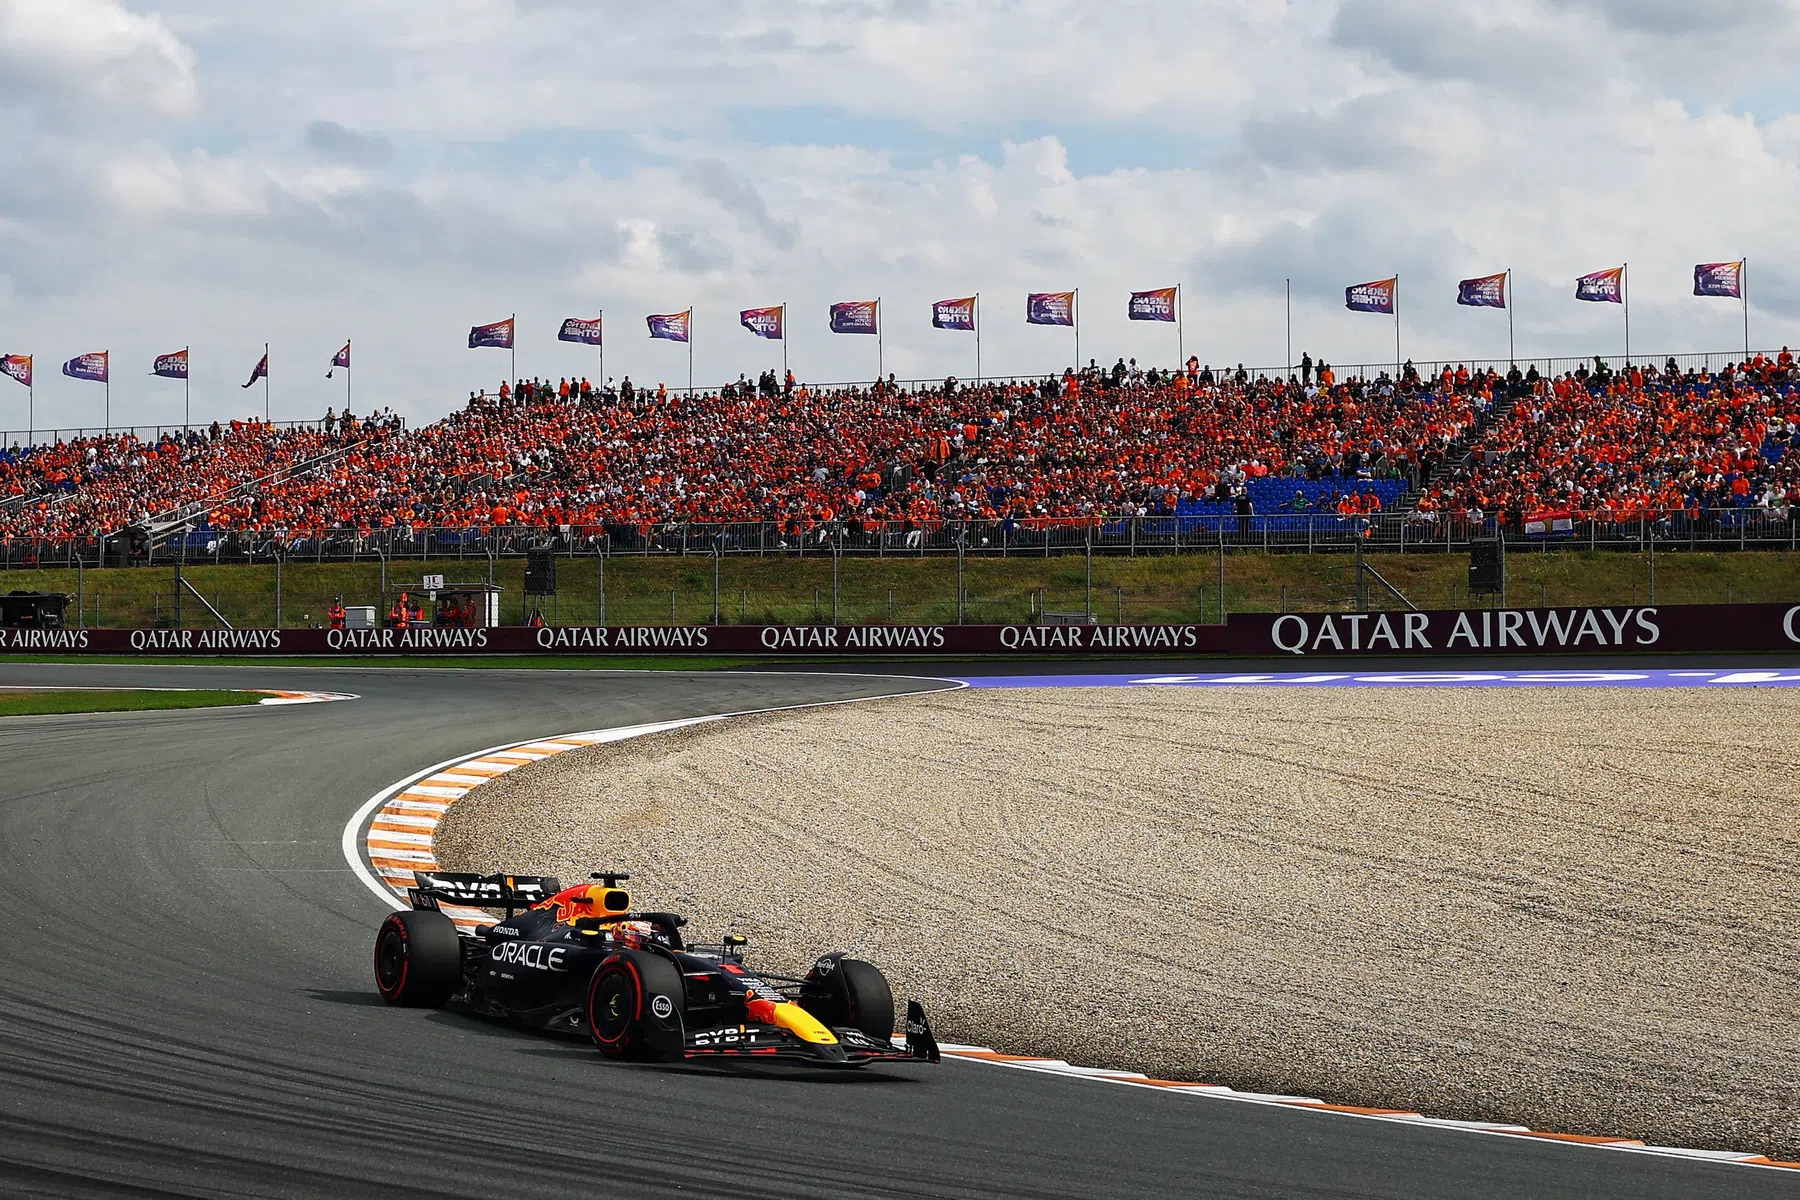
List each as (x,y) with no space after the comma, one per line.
(626,1001)
(418,959)
(849,992)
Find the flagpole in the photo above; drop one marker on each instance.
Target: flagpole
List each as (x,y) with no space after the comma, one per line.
(1625,295)
(784,358)
(265,383)
(976,317)
(109,393)
(1180,332)
(1290,327)
(187,370)
(1078,333)
(602,380)
(690,333)
(1397,358)
(346,376)
(514,347)
(880,353)
(1744,295)
(1512,350)
(31,409)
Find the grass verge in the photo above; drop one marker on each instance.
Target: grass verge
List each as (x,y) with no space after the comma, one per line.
(27,704)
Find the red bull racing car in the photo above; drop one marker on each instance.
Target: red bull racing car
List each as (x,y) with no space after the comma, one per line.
(578,959)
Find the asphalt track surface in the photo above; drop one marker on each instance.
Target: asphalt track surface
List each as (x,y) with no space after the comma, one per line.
(186,1005)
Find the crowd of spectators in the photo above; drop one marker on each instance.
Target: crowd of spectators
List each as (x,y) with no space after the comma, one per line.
(1100,442)
(1088,444)
(99,485)
(1652,442)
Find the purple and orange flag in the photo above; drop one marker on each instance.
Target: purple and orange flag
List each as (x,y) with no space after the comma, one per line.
(16,366)
(763,322)
(95,367)
(1376,297)
(1155,305)
(498,335)
(578,329)
(954,314)
(856,316)
(670,327)
(1602,287)
(1484,291)
(261,371)
(1720,279)
(340,359)
(171,366)
(1050,308)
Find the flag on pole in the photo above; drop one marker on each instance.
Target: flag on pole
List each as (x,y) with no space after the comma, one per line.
(1485,291)
(94,367)
(340,359)
(171,366)
(578,329)
(671,327)
(18,366)
(1376,297)
(261,371)
(1050,308)
(499,335)
(954,314)
(763,322)
(1156,305)
(1720,279)
(856,316)
(1602,287)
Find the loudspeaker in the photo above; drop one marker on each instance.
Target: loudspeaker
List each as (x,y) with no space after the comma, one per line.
(540,572)
(1487,565)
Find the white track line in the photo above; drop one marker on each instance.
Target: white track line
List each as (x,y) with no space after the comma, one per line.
(391,884)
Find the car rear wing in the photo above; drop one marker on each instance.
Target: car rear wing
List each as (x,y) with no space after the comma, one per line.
(510,892)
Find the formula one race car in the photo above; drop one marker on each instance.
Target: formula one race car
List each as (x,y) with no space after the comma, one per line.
(577,959)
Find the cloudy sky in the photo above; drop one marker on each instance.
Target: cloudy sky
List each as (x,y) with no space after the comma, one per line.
(224,173)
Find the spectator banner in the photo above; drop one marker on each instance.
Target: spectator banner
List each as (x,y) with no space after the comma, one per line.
(499,335)
(171,366)
(856,316)
(575,329)
(1377,297)
(261,371)
(1050,308)
(954,314)
(1719,279)
(1486,291)
(1459,634)
(17,366)
(763,322)
(670,327)
(93,367)
(1157,305)
(1602,287)
(1549,524)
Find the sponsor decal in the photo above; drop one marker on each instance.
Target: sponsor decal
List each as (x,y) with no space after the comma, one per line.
(534,955)
(662,1007)
(1507,629)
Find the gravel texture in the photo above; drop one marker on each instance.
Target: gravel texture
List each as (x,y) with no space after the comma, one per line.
(1571,909)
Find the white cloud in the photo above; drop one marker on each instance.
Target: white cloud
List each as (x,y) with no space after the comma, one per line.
(59,54)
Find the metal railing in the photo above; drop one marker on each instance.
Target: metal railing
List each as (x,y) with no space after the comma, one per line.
(1387,533)
(149,434)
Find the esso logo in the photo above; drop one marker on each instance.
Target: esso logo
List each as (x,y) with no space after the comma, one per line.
(662,1007)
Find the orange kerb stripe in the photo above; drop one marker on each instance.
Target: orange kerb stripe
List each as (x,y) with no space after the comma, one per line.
(1359,1111)
(1584,1138)
(401,864)
(383,844)
(992,1056)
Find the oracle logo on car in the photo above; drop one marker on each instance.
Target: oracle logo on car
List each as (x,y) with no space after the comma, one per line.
(535,955)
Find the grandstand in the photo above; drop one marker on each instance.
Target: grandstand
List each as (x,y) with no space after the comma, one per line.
(1104,455)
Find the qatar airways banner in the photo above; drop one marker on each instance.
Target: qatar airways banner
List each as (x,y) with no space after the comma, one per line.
(1623,630)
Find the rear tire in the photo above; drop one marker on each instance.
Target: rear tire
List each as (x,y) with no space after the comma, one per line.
(850,992)
(418,959)
(622,1000)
